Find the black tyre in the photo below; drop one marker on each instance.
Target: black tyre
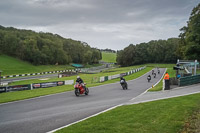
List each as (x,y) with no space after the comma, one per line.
(123,86)
(86,91)
(126,86)
(77,93)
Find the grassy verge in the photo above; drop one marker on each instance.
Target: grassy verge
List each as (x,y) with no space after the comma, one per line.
(163,116)
(20,95)
(192,124)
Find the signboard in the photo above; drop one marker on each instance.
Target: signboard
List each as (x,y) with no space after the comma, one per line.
(69,82)
(48,84)
(2,89)
(61,83)
(37,85)
(18,88)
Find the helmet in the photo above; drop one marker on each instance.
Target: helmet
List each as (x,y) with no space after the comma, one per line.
(78,77)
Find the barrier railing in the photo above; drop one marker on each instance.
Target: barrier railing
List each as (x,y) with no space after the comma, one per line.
(189,80)
(35,86)
(106,78)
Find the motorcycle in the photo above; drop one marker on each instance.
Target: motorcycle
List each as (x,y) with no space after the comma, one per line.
(154,75)
(80,89)
(124,84)
(149,78)
(158,71)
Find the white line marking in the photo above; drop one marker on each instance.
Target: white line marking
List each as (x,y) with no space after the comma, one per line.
(85,118)
(148,88)
(94,114)
(119,106)
(164,98)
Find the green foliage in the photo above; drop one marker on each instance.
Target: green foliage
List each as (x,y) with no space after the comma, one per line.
(161,51)
(190,37)
(163,116)
(109,57)
(45,48)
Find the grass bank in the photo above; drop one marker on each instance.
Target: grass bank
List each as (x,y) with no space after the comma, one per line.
(163,116)
(109,57)
(12,66)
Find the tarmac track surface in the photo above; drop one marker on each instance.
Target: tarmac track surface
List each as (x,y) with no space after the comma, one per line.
(47,113)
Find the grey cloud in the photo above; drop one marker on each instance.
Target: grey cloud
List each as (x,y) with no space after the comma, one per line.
(100,22)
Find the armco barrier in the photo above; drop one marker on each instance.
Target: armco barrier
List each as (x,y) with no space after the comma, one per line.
(189,80)
(33,74)
(102,79)
(15,88)
(105,78)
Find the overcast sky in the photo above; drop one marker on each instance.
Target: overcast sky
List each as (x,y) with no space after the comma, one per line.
(103,24)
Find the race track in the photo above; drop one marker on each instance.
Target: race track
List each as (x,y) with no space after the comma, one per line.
(50,112)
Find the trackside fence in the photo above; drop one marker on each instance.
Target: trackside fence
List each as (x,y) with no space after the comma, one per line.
(35,86)
(189,80)
(42,73)
(106,78)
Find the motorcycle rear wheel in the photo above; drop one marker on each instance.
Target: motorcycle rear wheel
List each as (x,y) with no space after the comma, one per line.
(86,91)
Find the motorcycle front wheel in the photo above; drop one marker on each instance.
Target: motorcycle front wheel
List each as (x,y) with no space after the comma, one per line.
(77,93)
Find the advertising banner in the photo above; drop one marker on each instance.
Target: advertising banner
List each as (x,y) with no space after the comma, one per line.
(18,88)
(69,82)
(2,89)
(49,84)
(60,83)
(101,79)
(37,85)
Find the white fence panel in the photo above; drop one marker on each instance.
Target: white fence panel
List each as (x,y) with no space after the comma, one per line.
(69,82)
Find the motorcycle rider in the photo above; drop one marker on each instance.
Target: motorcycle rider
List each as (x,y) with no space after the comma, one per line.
(149,77)
(121,78)
(152,71)
(80,81)
(154,75)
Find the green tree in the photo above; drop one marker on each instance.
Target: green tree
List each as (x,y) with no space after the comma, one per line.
(190,36)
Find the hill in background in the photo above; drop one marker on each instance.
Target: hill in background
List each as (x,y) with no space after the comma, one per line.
(109,57)
(10,65)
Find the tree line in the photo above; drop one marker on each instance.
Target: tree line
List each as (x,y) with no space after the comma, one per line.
(157,51)
(45,48)
(108,50)
(187,46)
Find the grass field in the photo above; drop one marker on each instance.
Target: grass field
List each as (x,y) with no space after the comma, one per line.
(163,116)
(88,78)
(10,66)
(109,57)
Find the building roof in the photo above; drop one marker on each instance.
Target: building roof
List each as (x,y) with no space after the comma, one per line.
(77,65)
